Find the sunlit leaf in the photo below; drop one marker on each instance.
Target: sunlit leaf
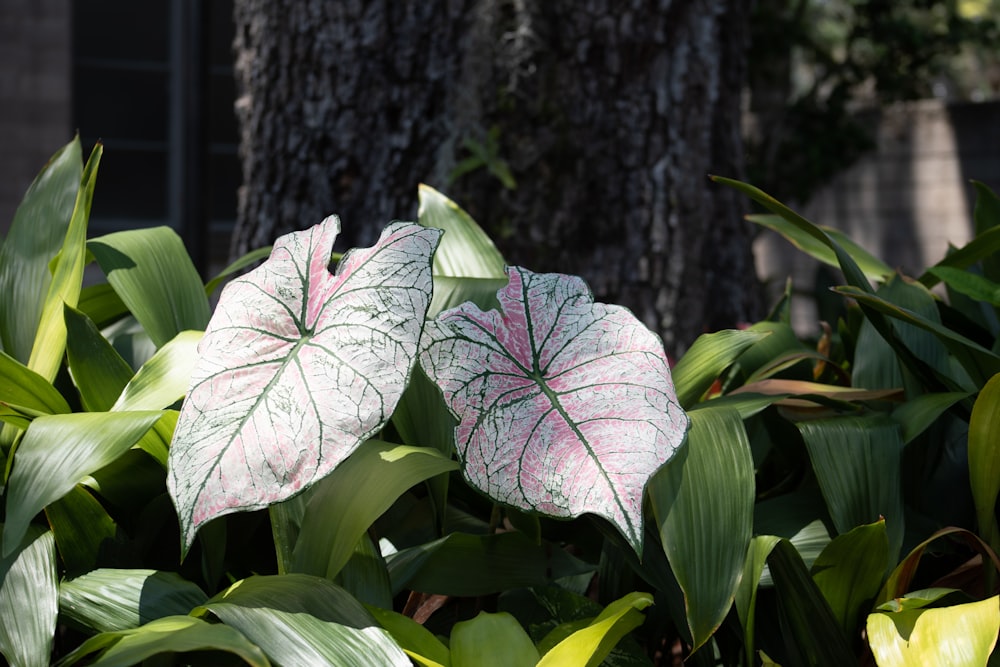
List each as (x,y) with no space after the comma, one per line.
(21,386)
(850,570)
(108,600)
(418,642)
(492,640)
(565,405)
(152,272)
(590,645)
(298,367)
(56,453)
(164,378)
(703,502)
(984,459)
(243,262)
(170,634)
(707,358)
(36,235)
(344,505)
(28,600)
(961,635)
(301,620)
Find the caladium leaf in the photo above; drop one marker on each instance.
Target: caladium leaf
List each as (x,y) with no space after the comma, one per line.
(565,406)
(298,367)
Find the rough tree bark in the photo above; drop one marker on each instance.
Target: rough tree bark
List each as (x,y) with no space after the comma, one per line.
(609,114)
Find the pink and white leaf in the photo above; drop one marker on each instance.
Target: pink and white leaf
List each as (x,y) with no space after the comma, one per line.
(566,406)
(297,368)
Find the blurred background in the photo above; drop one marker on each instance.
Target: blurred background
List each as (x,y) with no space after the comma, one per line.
(866,115)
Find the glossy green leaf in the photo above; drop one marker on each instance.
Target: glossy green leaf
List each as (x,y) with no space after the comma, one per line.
(344,505)
(590,645)
(164,378)
(492,640)
(857,464)
(101,304)
(813,636)
(21,386)
(983,246)
(67,278)
(81,527)
(984,460)
(56,453)
(961,635)
(850,570)
(170,634)
(918,413)
(746,593)
(465,251)
(156,441)
(108,600)
(469,565)
(706,359)
(871,266)
(35,237)
(979,362)
(236,267)
(970,284)
(417,641)
(875,364)
(302,620)
(153,274)
(28,599)
(987,209)
(925,597)
(98,370)
(703,503)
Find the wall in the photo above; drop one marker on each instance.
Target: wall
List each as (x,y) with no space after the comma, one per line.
(905,201)
(34,93)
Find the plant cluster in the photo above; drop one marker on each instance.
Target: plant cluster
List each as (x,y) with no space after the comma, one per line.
(426,456)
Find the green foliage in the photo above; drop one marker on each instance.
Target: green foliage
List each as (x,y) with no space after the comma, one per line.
(827,502)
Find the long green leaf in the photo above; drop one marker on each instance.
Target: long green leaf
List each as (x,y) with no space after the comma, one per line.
(979,248)
(746,594)
(980,363)
(57,452)
(109,600)
(707,358)
(961,635)
(170,634)
(813,636)
(466,251)
(28,600)
(243,262)
(35,236)
(345,504)
(303,620)
(82,528)
(974,286)
(590,645)
(67,279)
(153,274)
(366,576)
(417,641)
(101,304)
(164,378)
(492,640)
(21,386)
(850,570)
(857,464)
(98,371)
(871,266)
(918,413)
(984,460)
(703,504)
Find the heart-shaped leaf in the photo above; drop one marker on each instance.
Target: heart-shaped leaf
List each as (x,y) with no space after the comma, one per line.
(565,405)
(298,367)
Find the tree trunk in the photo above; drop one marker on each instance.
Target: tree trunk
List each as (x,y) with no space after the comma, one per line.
(609,116)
